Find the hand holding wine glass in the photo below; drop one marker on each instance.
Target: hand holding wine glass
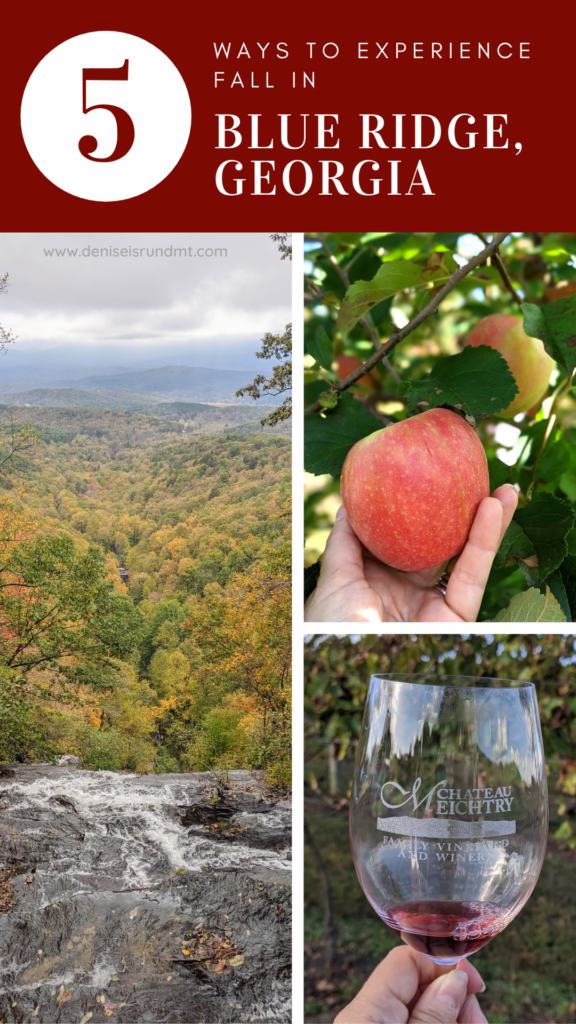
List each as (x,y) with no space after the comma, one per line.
(409,987)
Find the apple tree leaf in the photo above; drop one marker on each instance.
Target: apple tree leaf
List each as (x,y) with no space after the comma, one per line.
(555,324)
(568,573)
(477,381)
(536,537)
(392,277)
(532,606)
(319,347)
(329,438)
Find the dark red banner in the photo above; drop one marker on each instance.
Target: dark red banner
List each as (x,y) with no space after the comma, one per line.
(303,117)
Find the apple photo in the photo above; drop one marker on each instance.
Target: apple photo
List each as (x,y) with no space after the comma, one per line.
(440,426)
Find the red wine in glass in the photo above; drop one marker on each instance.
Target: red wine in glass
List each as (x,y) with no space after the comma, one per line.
(446,928)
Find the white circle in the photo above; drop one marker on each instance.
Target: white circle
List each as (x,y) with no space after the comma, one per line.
(154,96)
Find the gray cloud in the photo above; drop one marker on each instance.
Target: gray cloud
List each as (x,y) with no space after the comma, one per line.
(206,305)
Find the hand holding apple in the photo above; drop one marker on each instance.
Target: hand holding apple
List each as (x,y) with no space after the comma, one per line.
(411,490)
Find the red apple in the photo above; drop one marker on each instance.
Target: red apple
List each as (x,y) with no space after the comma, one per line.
(562,290)
(347,365)
(527,358)
(412,489)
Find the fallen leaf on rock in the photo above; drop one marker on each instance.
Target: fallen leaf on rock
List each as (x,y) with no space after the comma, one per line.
(221,966)
(109,1009)
(63,997)
(86,1017)
(134,912)
(236,961)
(186,952)
(114,977)
(35,1012)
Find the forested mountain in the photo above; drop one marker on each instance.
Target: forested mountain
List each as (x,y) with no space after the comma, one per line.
(181,661)
(195,417)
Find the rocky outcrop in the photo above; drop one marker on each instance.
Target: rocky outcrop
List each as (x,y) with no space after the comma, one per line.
(158,898)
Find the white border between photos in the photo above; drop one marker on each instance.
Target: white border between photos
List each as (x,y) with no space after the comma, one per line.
(298,630)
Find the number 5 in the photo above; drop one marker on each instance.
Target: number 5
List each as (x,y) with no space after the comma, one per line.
(124,123)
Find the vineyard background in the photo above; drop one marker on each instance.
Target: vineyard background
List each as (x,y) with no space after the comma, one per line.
(528,970)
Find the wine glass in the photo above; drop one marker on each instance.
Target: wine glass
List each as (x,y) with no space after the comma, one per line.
(449,813)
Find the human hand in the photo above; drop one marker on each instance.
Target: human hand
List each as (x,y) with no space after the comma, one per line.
(408,987)
(355,587)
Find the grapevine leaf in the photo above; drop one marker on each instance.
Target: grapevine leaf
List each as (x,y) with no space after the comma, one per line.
(555,324)
(329,438)
(320,348)
(392,277)
(532,606)
(478,381)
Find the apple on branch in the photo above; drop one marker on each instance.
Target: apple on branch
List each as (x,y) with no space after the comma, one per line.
(527,358)
(347,364)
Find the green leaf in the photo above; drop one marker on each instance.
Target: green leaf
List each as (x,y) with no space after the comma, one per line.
(568,573)
(440,266)
(362,295)
(556,584)
(329,438)
(555,460)
(546,521)
(499,473)
(555,324)
(311,574)
(320,348)
(478,381)
(515,546)
(532,606)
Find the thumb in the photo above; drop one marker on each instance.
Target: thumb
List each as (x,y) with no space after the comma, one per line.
(442,1001)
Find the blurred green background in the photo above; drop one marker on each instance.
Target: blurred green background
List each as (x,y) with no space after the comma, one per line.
(529,969)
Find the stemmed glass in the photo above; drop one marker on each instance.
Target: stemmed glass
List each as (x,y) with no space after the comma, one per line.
(449,814)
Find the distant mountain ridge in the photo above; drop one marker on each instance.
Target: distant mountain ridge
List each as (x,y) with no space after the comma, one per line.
(129,389)
(188,382)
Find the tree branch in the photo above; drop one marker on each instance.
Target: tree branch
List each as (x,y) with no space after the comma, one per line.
(367,327)
(420,317)
(502,271)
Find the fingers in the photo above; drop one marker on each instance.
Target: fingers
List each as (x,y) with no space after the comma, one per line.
(442,1000)
(465,590)
(475,981)
(471,1012)
(342,593)
(389,989)
(508,497)
(343,552)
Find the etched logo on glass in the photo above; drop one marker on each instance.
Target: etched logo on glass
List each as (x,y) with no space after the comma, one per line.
(441,800)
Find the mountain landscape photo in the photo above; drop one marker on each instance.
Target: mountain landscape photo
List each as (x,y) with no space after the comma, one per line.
(145,638)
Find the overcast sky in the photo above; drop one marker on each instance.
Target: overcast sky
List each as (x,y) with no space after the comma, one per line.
(208,304)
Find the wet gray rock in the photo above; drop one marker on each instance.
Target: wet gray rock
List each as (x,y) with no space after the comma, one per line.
(130,909)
